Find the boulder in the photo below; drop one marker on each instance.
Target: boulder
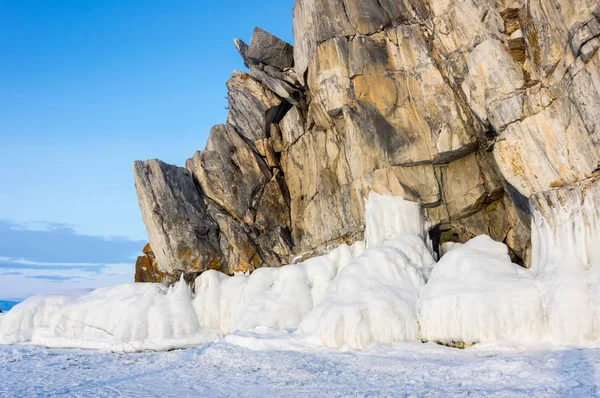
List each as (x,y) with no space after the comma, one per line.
(270,50)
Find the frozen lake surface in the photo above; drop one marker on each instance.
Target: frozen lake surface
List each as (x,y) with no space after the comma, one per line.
(227,369)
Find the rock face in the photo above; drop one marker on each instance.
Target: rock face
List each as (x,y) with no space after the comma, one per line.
(468,107)
(183,236)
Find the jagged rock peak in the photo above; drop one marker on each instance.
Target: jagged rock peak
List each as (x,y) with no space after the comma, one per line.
(266,49)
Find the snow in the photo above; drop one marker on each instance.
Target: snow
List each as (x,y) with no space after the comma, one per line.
(224,369)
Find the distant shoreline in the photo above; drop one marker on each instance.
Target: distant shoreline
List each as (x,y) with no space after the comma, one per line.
(6,305)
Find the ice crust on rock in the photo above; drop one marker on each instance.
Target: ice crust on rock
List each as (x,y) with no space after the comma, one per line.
(124,318)
(475,294)
(387,217)
(132,317)
(372,300)
(348,297)
(385,290)
(566,258)
(272,297)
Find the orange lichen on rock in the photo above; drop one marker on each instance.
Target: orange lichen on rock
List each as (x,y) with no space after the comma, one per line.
(147,250)
(146,268)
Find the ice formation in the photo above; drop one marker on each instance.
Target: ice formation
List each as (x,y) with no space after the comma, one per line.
(132,317)
(18,324)
(385,290)
(349,297)
(273,297)
(475,294)
(386,217)
(566,259)
(373,299)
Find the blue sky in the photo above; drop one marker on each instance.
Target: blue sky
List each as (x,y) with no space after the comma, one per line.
(86,88)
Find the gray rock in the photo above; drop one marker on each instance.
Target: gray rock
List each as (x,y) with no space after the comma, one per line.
(229,171)
(270,50)
(275,81)
(240,252)
(252,107)
(243,50)
(183,236)
(468,107)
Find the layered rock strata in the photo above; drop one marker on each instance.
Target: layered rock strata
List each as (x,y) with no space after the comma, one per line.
(467,107)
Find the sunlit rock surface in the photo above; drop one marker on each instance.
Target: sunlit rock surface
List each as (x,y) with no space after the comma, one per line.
(466,107)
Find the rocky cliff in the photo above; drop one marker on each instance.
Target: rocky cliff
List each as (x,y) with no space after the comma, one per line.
(468,107)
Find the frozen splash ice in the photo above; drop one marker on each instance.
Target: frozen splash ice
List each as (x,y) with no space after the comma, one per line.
(387,217)
(475,294)
(566,258)
(566,228)
(385,290)
(350,296)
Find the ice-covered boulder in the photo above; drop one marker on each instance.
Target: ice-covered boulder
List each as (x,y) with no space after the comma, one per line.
(475,294)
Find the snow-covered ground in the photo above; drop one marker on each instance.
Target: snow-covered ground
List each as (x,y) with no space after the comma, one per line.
(225,369)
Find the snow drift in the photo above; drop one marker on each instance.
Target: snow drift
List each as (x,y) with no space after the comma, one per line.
(385,290)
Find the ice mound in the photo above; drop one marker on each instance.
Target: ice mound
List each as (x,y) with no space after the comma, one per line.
(128,318)
(347,297)
(18,324)
(475,294)
(125,318)
(272,297)
(372,300)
